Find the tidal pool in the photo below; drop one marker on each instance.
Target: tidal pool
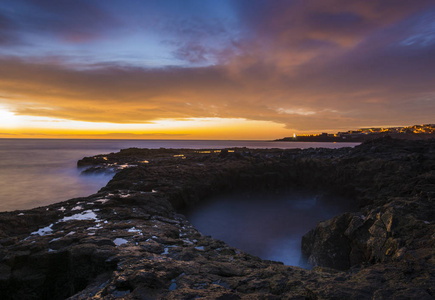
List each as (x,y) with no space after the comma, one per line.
(266,225)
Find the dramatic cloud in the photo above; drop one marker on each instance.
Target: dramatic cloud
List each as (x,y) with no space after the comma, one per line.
(311,65)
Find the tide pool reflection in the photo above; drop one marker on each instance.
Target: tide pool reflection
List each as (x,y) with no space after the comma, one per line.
(269,226)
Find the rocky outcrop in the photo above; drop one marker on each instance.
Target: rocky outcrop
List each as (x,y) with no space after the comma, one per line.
(401,229)
(129,241)
(398,223)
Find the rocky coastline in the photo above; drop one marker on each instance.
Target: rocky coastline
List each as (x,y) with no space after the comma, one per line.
(131,241)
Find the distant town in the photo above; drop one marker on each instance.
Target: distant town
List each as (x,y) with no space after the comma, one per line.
(415,132)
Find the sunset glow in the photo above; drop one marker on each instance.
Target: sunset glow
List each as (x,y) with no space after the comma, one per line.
(195,128)
(7,119)
(203,69)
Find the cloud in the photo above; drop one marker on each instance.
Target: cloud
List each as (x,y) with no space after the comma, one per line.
(70,21)
(309,65)
(193,53)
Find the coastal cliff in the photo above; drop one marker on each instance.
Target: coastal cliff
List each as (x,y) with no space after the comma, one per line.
(130,240)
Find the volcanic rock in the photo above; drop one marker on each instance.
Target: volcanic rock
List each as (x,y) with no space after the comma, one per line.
(131,241)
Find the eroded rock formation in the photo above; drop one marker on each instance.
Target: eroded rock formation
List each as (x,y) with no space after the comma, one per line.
(130,241)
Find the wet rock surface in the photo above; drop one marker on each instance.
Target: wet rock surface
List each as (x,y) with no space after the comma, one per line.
(130,241)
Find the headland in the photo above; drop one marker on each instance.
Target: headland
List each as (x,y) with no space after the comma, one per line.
(130,241)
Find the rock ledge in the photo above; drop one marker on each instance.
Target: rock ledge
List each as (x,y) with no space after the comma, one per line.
(129,241)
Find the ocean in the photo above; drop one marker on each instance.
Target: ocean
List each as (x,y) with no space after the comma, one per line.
(38,172)
(267,225)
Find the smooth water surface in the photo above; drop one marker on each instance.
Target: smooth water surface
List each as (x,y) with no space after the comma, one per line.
(37,172)
(269,226)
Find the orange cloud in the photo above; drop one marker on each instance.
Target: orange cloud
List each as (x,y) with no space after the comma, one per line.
(300,65)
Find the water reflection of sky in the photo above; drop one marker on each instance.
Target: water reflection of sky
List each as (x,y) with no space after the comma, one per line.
(37,177)
(268,226)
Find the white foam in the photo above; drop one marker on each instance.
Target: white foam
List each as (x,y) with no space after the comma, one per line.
(44,231)
(79,207)
(133,229)
(85,215)
(92,228)
(102,201)
(120,241)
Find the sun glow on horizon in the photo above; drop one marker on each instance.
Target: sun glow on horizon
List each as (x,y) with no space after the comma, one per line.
(7,118)
(20,126)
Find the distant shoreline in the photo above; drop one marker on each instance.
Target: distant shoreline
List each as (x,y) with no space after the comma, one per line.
(355,139)
(415,132)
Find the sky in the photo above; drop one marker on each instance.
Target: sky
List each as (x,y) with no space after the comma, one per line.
(213,69)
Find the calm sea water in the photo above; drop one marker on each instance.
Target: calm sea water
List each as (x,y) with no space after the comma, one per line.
(38,172)
(269,226)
